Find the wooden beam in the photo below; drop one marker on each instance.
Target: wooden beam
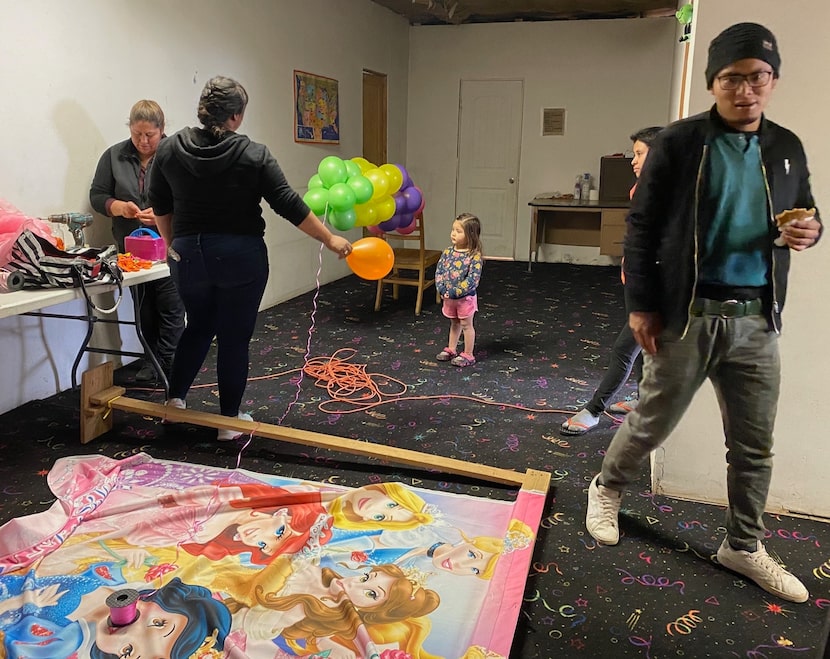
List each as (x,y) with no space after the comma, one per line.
(536,481)
(96,403)
(94,420)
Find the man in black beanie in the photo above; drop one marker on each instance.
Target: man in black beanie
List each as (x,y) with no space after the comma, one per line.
(706,268)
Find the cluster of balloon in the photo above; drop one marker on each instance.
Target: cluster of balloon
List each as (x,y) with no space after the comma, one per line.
(408,199)
(356,193)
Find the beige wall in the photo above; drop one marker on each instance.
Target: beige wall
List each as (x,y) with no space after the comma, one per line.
(612,77)
(691,464)
(72,70)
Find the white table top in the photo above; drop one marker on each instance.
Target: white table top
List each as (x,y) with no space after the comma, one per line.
(12,304)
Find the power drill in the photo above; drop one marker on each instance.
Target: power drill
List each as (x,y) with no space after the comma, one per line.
(75,222)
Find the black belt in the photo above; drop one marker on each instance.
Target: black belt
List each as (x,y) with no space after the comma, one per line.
(702,306)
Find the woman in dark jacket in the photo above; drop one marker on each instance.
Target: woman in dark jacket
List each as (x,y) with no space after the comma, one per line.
(119,191)
(206,189)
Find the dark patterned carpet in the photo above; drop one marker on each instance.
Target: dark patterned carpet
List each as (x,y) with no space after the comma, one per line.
(542,344)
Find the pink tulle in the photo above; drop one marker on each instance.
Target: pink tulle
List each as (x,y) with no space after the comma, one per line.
(12,223)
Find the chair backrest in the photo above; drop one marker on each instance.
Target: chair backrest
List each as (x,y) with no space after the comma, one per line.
(415,234)
(414,256)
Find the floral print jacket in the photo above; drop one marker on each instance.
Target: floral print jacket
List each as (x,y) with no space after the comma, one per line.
(458,273)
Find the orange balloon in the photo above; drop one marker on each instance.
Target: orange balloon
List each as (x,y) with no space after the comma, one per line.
(371,258)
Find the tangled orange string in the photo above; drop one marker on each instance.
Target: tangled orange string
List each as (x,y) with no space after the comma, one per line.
(352,389)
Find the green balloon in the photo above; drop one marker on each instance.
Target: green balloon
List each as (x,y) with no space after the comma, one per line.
(331,170)
(362,187)
(315,182)
(342,220)
(341,197)
(317,200)
(352,168)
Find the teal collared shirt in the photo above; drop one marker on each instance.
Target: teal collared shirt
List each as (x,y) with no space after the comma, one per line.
(735,245)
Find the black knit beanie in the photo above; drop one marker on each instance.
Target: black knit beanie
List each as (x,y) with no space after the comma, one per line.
(742,41)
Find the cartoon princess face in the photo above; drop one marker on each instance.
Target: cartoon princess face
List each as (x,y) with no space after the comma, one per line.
(366,590)
(266,532)
(463,559)
(153,635)
(175,620)
(380,506)
(375,506)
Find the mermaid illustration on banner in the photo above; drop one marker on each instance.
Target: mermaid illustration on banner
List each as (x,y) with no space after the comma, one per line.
(255,522)
(259,522)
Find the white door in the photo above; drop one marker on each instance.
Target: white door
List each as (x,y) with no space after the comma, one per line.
(490,133)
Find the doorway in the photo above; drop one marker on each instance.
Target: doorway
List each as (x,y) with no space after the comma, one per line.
(374,117)
(489,148)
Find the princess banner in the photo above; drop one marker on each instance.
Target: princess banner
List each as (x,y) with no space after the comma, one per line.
(148,558)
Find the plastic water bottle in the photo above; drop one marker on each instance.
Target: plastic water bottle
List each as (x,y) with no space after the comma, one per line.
(585,192)
(578,188)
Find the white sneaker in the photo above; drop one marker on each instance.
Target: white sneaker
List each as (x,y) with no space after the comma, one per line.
(763,569)
(229,435)
(603,510)
(178,403)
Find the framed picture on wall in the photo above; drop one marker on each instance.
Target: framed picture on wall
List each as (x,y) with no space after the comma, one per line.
(316,109)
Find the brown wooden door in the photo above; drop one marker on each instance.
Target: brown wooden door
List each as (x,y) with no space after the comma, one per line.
(374,117)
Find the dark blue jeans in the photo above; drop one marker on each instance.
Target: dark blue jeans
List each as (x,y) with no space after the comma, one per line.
(221,279)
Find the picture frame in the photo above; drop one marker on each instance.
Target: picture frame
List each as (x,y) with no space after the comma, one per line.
(316,109)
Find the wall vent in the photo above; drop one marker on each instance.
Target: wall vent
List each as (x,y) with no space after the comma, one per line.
(553,121)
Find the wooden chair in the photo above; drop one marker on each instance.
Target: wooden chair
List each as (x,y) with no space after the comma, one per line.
(416,259)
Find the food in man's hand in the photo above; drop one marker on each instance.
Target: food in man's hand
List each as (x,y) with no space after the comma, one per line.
(787,217)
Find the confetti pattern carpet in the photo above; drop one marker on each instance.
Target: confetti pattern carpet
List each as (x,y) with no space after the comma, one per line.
(542,343)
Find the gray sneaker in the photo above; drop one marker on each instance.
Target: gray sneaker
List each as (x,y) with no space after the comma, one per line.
(760,567)
(603,510)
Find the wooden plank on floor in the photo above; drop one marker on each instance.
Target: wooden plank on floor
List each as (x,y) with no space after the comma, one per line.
(316,440)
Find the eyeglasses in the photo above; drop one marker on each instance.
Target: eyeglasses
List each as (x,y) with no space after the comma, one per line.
(732,81)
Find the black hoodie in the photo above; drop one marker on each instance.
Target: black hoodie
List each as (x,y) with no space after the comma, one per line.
(215,186)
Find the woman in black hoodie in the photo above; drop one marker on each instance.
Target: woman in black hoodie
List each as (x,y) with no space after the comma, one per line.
(206,190)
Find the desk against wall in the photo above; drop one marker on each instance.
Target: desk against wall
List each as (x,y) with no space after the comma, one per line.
(568,222)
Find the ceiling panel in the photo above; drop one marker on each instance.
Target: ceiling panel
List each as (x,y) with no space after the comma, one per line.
(454,12)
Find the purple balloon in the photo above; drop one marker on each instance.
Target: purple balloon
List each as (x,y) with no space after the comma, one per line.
(406,223)
(400,202)
(413,199)
(390,225)
(407,181)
